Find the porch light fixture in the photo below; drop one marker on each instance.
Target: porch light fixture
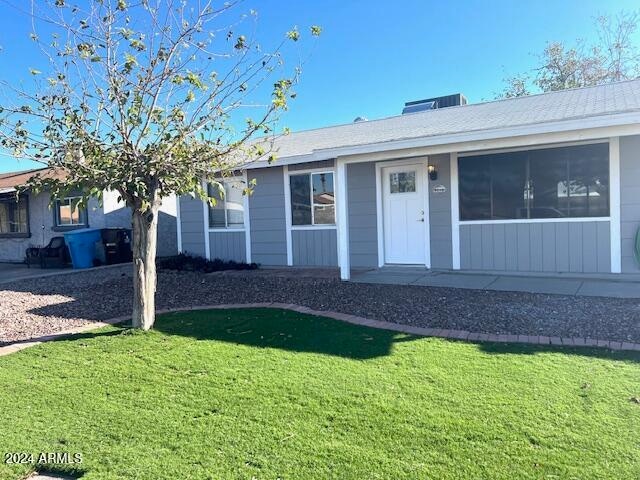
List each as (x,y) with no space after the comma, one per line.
(433,173)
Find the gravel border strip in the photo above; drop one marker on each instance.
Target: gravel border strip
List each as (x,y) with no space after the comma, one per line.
(353,319)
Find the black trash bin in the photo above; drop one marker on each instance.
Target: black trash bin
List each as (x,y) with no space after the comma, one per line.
(117,245)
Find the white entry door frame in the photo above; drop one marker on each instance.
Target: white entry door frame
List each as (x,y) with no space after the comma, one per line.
(383,170)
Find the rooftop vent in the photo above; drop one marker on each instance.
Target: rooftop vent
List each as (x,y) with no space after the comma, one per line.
(359,119)
(433,103)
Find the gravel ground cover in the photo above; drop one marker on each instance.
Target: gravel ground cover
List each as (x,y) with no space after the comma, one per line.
(35,307)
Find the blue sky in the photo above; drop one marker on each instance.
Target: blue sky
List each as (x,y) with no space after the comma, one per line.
(374,55)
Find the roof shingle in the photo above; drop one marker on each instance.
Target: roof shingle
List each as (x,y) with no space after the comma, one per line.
(13,180)
(573,104)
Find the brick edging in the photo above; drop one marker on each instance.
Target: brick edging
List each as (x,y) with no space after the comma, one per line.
(353,319)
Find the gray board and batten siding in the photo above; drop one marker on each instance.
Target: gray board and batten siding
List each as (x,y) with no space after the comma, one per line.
(192,225)
(576,247)
(229,245)
(440,213)
(362,215)
(267,217)
(315,248)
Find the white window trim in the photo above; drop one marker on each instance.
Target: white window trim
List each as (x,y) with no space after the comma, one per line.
(314,227)
(247,223)
(178,224)
(309,171)
(455,212)
(535,220)
(342,219)
(83,221)
(614,205)
(226,230)
(287,214)
(205,213)
(235,228)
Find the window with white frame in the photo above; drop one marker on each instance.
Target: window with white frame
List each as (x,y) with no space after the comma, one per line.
(558,182)
(312,199)
(69,214)
(228,212)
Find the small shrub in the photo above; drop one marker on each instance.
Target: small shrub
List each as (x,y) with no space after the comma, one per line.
(189,263)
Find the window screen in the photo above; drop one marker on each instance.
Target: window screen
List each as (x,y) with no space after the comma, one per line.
(561,182)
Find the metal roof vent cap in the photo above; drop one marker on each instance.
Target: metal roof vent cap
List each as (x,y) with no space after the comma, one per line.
(360,119)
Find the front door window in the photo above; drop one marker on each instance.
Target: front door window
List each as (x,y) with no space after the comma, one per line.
(403,182)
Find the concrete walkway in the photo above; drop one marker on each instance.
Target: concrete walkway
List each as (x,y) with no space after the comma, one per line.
(10,272)
(620,286)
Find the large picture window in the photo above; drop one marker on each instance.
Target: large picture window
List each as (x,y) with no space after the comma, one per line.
(69,214)
(14,216)
(228,212)
(563,182)
(312,199)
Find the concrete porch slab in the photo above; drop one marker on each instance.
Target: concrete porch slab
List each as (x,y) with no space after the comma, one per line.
(454,280)
(557,286)
(596,288)
(620,287)
(388,278)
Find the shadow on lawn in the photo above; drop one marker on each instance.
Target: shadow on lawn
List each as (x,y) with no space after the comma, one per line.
(61,472)
(287,330)
(56,337)
(282,329)
(527,349)
(292,331)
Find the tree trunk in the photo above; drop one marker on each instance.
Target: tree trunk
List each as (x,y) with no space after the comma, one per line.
(145,240)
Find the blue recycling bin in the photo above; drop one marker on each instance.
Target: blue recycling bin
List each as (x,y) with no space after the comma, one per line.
(82,246)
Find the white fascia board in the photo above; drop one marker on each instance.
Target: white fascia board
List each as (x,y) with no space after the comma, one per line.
(587,128)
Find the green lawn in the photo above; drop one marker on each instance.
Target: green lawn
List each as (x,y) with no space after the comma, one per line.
(271,394)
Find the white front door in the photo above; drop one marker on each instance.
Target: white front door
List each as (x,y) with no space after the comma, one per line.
(404,215)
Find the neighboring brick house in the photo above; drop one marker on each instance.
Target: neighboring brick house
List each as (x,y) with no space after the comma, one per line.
(29,219)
